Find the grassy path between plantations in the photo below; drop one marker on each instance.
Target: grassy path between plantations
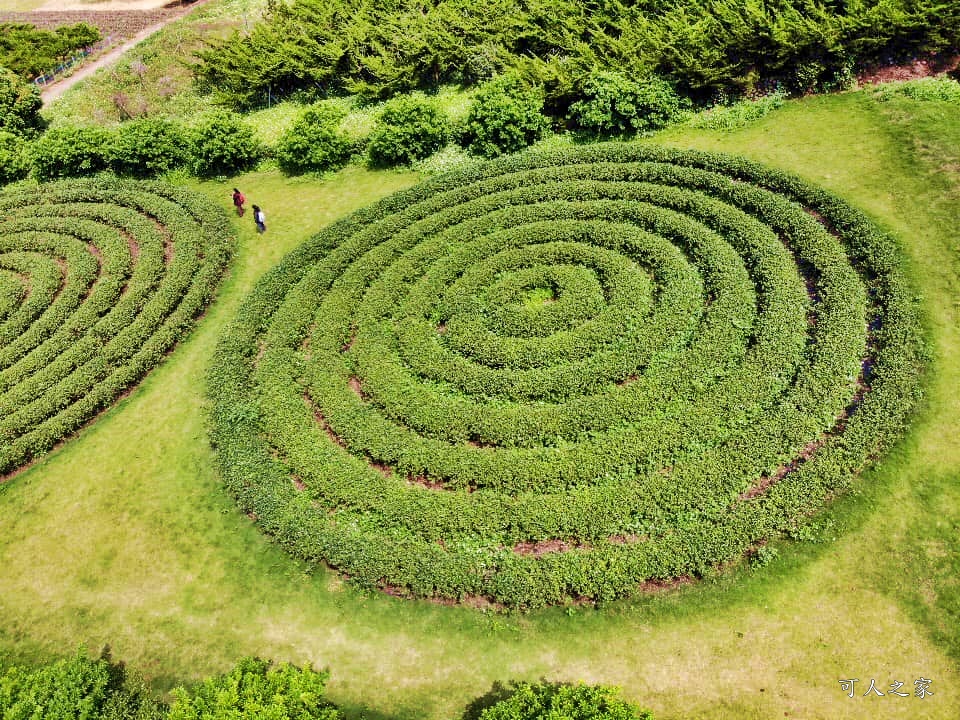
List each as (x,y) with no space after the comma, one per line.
(124,536)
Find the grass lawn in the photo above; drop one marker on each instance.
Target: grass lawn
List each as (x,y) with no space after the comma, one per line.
(124,536)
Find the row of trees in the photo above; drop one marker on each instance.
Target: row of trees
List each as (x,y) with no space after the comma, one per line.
(217,144)
(506,116)
(101,689)
(376,50)
(30,52)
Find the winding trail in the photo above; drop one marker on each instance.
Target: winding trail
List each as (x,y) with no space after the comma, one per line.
(54,90)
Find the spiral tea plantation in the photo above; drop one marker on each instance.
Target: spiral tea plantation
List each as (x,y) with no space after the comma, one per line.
(98,280)
(560,376)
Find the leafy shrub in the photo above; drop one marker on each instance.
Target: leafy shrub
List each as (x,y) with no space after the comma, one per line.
(19,105)
(613,104)
(558,701)
(222,144)
(763,556)
(71,152)
(739,114)
(148,146)
(30,51)
(409,128)
(505,117)
(77,687)
(14,158)
(255,689)
(314,142)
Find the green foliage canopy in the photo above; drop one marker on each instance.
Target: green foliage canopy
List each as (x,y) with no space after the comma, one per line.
(71,152)
(408,128)
(613,104)
(30,51)
(314,142)
(76,688)
(148,146)
(255,689)
(14,162)
(558,701)
(222,144)
(506,116)
(377,49)
(19,104)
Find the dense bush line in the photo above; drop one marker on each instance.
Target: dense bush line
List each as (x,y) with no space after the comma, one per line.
(377,50)
(100,278)
(30,51)
(217,144)
(563,374)
(19,105)
(86,689)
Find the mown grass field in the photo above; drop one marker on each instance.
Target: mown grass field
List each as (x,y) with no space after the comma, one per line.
(124,536)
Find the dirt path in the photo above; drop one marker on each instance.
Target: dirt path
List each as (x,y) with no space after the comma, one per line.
(57,88)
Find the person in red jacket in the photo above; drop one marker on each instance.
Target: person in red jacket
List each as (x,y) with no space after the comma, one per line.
(238,201)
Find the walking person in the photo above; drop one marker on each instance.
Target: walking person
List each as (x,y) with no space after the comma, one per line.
(238,201)
(260,219)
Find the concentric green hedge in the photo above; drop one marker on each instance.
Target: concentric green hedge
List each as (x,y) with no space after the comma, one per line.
(562,375)
(98,280)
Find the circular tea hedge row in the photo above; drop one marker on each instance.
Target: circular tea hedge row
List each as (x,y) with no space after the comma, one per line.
(562,375)
(98,280)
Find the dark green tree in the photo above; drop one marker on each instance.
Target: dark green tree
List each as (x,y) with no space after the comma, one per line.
(314,142)
(506,116)
(19,105)
(409,128)
(148,146)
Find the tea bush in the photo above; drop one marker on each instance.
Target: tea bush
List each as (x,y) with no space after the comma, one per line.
(314,142)
(505,117)
(222,144)
(71,152)
(147,147)
(100,279)
(408,129)
(613,104)
(562,374)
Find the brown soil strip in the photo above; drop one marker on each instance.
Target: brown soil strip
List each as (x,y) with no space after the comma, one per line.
(424,481)
(350,340)
(657,585)
(322,422)
(927,66)
(626,539)
(542,547)
(354,384)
